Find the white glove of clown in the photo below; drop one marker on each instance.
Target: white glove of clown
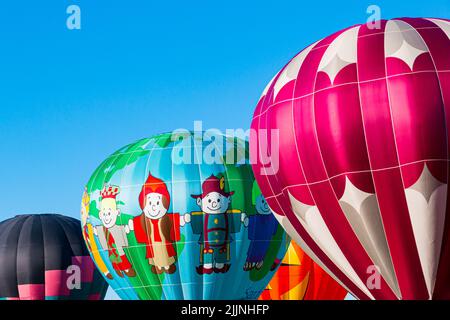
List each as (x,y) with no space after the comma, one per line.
(130,226)
(186,218)
(244,219)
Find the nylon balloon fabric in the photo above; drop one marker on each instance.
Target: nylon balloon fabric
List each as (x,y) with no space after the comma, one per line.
(300,278)
(179,216)
(43,257)
(362,120)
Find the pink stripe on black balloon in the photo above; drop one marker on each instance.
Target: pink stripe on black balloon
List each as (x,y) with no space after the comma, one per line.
(35,254)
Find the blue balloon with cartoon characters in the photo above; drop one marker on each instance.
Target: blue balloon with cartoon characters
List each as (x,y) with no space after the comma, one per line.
(180,216)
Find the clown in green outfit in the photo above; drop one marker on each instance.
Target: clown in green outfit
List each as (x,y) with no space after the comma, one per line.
(215,223)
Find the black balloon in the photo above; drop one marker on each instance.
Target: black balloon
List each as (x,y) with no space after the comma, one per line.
(43,256)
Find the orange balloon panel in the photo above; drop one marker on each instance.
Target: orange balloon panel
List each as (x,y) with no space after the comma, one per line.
(300,278)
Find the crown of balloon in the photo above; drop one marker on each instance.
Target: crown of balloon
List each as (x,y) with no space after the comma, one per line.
(109,192)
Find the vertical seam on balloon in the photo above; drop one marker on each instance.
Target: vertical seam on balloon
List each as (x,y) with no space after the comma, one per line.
(303,173)
(16,256)
(152,293)
(2,234)
(275,177)
(316,135)
(92,285)
(177,259)
(446,137)
(30,219)
(39,218)
(267,96)
(116,155)
(120,288)
(187,186)
(76,229)
(398,159)
(247,198)
(225,172)
(371,172)
(323,163)
(89,192)
(63,229)
(201,254)
(299,161)
(171,192)
(167,276)
(94,282)
(447,150)
(25,218)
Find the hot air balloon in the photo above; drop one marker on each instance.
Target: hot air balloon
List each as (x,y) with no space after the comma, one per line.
(174,216)
(43,257)
(360,125)
(300,278)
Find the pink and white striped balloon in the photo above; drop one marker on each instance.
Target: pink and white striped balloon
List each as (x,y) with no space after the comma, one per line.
(363,118)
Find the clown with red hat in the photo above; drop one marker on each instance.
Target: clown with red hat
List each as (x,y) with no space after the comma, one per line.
(155,227)
(215,223)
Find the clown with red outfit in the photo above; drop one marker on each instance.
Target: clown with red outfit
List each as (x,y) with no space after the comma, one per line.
(155,227)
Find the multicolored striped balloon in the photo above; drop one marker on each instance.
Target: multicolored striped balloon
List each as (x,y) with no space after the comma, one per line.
(300,278)
(180,216)
(43,257)
(363,120)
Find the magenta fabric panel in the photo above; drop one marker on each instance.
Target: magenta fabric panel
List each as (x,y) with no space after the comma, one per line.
(366,118)
(31,291)
(56,283)
(87,267)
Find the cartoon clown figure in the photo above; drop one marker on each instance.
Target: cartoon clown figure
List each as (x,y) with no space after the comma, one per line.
(112,236)
(156,227)
(262,227)
(215,223)
(88,235)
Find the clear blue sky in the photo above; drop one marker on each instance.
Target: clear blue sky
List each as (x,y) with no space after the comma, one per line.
(69,98)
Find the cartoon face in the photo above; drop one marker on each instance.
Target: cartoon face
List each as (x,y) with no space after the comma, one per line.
(261,205)
(214,203)
(155,206)
(109,212)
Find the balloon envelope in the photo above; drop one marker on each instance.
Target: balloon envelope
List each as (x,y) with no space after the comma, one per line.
(43,257)
(181,217)
(300,278)
(363,133)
